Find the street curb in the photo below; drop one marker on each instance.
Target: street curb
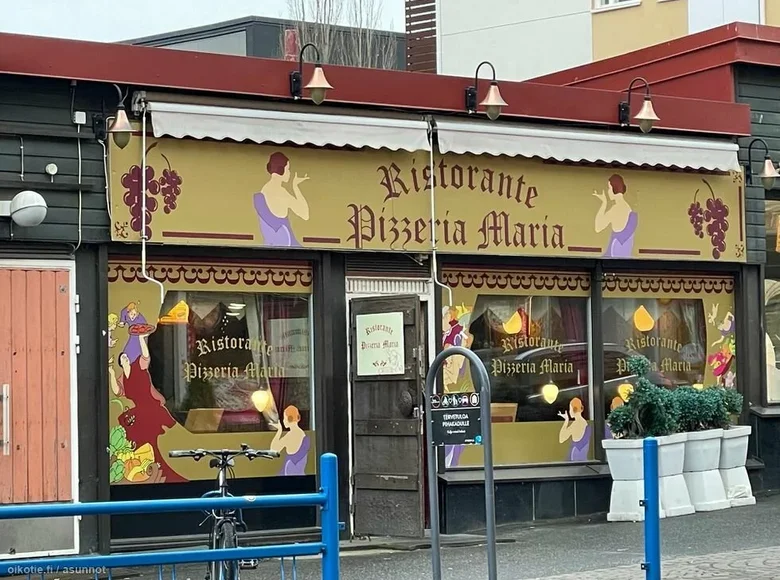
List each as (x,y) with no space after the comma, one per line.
(416,544)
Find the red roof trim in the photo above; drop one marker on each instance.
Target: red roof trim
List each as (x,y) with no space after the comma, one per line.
(642,57)
(148,67)
(693,54)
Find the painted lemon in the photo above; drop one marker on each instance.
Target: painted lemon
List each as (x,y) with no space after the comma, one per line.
(625,391)
(514,324)
(550,392)
(643,321)
(260,400)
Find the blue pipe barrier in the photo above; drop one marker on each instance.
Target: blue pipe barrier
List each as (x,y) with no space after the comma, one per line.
(328,548)
(651,503)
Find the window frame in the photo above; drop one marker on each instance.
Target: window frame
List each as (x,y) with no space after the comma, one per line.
(596,299)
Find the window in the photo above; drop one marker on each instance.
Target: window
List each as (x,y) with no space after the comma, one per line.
(532,331)
(605,3)
(684,325)
(534,343)
(239,361)
(772,299)
(226,359)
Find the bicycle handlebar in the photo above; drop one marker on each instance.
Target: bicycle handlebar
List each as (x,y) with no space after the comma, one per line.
(198,454)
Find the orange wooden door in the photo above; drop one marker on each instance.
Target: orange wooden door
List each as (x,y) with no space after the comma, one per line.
(36,461)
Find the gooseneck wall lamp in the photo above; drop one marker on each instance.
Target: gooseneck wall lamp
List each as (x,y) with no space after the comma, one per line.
(492,101)
(646,116)
(120,127)
(768,173)
(317,86)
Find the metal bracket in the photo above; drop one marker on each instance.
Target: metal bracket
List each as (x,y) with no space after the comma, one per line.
(643,503)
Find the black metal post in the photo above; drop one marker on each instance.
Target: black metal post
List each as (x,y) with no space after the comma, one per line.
(482,384)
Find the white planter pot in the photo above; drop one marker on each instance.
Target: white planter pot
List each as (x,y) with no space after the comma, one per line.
(675,500)
(701,473)
(733,455)
(628,488)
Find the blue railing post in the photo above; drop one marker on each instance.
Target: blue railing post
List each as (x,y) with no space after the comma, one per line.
(651,503)
(330,516)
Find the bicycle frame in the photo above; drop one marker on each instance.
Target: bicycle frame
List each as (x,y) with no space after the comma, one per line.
(223,460)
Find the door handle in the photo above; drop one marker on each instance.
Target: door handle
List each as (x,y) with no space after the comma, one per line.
(5,398)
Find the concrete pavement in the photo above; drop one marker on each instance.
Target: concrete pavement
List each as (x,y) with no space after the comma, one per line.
(758,564)
(734,544)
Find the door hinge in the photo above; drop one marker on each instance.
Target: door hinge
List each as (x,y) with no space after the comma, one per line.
(421,360)
(77,303)
(77,344)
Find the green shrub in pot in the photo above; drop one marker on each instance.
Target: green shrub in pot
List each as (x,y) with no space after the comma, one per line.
(732,401)
(700,410)
(651,411)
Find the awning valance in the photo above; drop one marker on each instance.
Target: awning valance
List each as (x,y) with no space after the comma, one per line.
(586,146)
(270,126)
(200,121)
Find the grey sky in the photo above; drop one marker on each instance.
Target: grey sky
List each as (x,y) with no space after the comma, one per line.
(111,20)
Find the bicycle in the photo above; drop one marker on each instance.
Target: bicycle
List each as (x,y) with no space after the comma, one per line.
(226,524)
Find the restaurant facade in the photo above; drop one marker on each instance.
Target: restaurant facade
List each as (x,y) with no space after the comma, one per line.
(704,65)
(280,275)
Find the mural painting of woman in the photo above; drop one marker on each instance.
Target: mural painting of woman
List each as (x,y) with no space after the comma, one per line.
(616,214)
(295,443)
(455,325)
(276,201)
(129,317)
(149,417)
(576,428)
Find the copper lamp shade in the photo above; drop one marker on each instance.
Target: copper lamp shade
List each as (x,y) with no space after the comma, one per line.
(768,173)
(646,116)
(120,128)
(493,102)
(318,85)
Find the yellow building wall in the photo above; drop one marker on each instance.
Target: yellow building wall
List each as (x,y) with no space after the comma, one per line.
(772,8)
(620,30)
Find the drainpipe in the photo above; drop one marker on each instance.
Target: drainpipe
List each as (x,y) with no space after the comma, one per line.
(434,265)
(144,237)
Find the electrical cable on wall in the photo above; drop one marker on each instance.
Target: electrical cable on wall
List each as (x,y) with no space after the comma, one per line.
(78,141)
(105,177)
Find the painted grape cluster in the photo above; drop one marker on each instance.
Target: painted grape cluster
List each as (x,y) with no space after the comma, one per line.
(168,184)
(715,215)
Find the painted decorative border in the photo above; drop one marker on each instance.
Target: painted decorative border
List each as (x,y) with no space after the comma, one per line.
(285,277)
(517,280)
(659,283)
(580,282)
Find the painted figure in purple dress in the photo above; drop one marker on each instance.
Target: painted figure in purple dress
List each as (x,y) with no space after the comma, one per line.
(576,428)
(615,214)
(616,402)
(295,443)
(456,321)
(129,316)
(276,201)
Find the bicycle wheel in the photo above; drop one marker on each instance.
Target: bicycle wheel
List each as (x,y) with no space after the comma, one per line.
(228,539)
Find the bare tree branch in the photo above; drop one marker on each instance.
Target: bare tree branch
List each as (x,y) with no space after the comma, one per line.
(345,31)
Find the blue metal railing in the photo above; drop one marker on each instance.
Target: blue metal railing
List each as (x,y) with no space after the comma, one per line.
(328,547)
(652,505)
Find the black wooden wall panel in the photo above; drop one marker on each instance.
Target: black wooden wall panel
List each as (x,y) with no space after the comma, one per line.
(759,87)
(37,112)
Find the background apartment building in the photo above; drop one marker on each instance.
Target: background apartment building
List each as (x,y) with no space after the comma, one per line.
(529,38)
